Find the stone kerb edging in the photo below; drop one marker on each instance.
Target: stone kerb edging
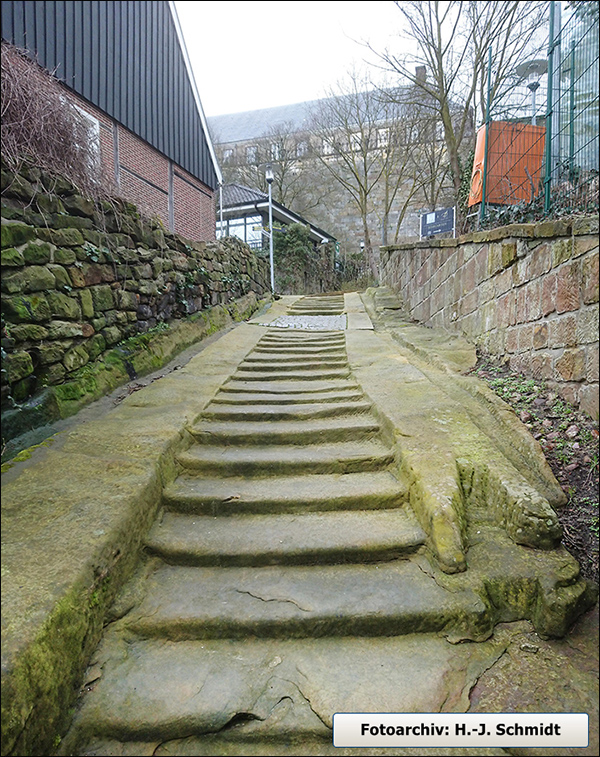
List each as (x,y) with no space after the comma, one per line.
(575,227)
(73,523)
(527,293)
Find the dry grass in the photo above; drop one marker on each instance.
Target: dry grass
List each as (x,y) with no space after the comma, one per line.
(40,127)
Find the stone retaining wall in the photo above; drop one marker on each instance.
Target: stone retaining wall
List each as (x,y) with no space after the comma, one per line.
(79,278)
(527,293)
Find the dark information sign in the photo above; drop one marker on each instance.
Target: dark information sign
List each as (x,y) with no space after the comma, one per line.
(437,222)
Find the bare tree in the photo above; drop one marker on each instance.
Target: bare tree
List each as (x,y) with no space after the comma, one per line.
(360,144)
(451,40)
(415,166)
(296,185)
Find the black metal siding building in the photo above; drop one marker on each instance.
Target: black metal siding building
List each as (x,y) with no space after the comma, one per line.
(128,59)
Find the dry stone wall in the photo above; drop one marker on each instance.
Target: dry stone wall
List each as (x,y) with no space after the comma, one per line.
(80,277)
(527,293)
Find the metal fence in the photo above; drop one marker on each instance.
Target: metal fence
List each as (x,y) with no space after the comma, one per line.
(537,153)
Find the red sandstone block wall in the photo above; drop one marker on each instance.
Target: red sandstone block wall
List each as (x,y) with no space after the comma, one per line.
(528,293)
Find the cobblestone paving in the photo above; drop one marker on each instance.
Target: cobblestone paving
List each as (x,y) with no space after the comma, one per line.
(311,322)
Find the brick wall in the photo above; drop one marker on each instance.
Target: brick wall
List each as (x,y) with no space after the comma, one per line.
(142,175)
(189,213)
(136,171)
(527,293)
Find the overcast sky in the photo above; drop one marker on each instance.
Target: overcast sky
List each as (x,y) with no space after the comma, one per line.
(252,55)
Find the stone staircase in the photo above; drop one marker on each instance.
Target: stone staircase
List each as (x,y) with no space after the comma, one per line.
(288,521)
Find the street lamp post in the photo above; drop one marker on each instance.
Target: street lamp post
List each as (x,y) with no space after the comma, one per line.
(269,176)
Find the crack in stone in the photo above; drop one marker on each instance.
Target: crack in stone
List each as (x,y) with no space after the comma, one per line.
(489,667)
(306,699)
(435,579)
(16,739)
(272,599)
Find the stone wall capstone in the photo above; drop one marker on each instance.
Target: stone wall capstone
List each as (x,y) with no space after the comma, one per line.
(527,293)
(79,277)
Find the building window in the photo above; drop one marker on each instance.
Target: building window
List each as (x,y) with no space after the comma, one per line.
(254,231)
(356,142)
(252,154)
(327,147)
(227,156)
(93,126)
(275,152)
(301,149)
(383,137)
(249,229)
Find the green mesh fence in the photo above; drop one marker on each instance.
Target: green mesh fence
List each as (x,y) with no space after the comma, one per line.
(537,155)
(573,148)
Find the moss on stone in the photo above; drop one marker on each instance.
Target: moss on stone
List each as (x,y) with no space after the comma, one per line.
(25,454)
(16,234)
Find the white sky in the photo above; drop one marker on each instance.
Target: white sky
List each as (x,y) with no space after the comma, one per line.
(251,55)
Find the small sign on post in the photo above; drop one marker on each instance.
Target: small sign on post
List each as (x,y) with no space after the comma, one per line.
(438,222)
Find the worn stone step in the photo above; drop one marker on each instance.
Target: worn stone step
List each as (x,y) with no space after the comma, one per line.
(276,365)
(318,374)
(268,398)
(318,430)
(251,412)
(299,349)
(317,345)
(283,387)
(342,457)
(295,337)
(257,697)
(323,305)
(382,599)
(318,299)
(297,356)
(285,539)
(317,311)
(285,494)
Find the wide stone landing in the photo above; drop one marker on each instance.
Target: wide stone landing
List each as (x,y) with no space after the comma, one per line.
(341,517)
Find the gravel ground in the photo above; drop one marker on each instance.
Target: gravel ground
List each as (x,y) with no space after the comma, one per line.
(569,440)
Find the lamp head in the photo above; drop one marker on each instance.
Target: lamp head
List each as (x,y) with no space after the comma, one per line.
(269,175)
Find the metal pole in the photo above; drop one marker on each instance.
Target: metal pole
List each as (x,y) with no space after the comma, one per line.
(488,121)
(271,240)
(221,209)
(548,158)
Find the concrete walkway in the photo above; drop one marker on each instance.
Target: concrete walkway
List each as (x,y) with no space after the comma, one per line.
(325,507)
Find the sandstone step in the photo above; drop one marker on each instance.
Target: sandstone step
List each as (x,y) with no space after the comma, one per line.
(287,412)
(310,302)
(317,311)
(268,398)
(285,494)
(314,302)
(295,336)
(302,344)
(287,387)
(319,430)
(318,374)
(343,457)
(300,349)
(298,355)
(382,599)
(257,697)
(285,539)
(275,365)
